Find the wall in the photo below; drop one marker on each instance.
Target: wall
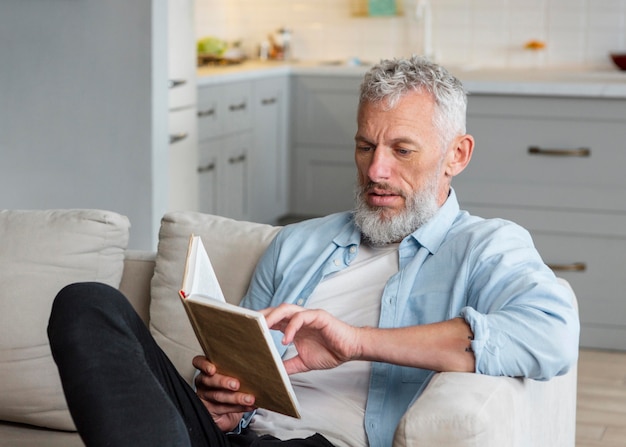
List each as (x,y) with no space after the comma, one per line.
(83,108)
(481,32)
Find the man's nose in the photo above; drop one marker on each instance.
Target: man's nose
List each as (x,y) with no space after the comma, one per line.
(380,165)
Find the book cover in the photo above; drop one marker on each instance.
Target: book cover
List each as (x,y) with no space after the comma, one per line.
(237,340)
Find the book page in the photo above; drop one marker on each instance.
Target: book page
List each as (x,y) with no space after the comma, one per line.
(200,278)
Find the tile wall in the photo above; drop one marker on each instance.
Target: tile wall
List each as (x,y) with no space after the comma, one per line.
(577,33)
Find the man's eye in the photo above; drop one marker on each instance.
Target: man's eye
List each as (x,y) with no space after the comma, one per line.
(364,148)
(403,151)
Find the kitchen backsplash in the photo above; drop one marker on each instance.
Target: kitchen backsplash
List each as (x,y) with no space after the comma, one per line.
(491,33)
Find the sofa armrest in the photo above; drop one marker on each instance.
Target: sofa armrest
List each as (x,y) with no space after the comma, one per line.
(466,409)
(135,284)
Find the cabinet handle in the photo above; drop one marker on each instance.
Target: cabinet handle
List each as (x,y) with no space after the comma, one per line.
(205,113)
(240,159)
(573,267)
(177,82)
(580,152)
(178,137)
(237,107)
(268,101)
(206,168)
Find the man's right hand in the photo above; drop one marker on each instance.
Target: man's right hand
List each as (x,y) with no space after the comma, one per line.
(220,395)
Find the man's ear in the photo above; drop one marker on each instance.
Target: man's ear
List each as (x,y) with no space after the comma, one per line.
(459,155)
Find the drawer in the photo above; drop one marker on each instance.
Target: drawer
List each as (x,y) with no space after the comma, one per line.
(224,109)
(587,250)
(599,282)
(525,158)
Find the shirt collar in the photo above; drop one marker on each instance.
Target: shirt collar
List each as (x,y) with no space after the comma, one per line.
(432,234)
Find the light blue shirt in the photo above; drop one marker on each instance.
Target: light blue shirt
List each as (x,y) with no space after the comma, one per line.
(486,271)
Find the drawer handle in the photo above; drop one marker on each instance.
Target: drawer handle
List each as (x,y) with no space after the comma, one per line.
(268,101)
(177,82)
(573,267)
(240,159)
(237,107)
(178,137)
(206,168)
(580,152)
(205,113)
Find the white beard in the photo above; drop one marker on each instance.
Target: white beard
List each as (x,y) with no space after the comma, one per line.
(380,229)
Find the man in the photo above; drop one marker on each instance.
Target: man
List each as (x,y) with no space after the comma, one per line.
(370,303)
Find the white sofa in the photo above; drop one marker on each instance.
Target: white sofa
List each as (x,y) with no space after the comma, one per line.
(41,251)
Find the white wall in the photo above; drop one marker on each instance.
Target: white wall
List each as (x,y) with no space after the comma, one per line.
(482,32)
(83,108)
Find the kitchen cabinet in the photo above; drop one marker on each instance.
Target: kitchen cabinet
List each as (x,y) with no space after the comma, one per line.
(243,149)
(323,169)
(183,126)
(225,128)
(554,165)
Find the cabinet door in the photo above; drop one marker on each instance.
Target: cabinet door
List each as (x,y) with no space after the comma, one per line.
(181,54)
(268,154)
(233,176)
(236,107)
(324,173)
(183,178)
(325,181)
(209,113)
(208,182)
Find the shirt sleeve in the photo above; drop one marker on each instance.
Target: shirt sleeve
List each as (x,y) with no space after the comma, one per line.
(262,285)
(524,320)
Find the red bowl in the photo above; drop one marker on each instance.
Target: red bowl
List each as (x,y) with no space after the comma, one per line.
(619,59)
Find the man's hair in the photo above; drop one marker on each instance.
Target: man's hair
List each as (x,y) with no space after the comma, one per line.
(391,79)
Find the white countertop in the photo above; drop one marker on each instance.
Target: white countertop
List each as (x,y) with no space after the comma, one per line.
(605,83)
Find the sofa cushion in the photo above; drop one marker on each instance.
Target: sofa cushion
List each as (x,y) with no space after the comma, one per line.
(40,253)
(234,248)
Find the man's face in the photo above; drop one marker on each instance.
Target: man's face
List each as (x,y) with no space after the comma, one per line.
(399,157)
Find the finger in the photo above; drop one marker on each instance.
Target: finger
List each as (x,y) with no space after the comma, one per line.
(284,311)
(309,319)
(224,401)
(217,381)
(203,364)
(295,365)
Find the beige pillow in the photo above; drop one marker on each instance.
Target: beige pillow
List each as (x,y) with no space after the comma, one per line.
(40,253)
(234,248)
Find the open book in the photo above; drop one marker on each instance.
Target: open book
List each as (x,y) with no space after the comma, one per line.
(235,339)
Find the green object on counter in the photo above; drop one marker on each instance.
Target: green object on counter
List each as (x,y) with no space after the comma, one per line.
(212,46)
(382,7)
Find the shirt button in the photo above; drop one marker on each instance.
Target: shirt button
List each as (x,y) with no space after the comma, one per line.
(300,301)
(352,249)
(337,262)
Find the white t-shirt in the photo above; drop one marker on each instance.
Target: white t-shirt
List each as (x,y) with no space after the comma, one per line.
(333,401)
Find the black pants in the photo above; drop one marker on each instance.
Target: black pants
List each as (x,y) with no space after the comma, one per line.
(120,387)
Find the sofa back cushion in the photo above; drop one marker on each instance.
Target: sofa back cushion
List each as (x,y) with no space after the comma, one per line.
(40,253)
(234,248)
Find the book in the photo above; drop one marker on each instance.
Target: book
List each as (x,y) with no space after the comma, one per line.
(235,339)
